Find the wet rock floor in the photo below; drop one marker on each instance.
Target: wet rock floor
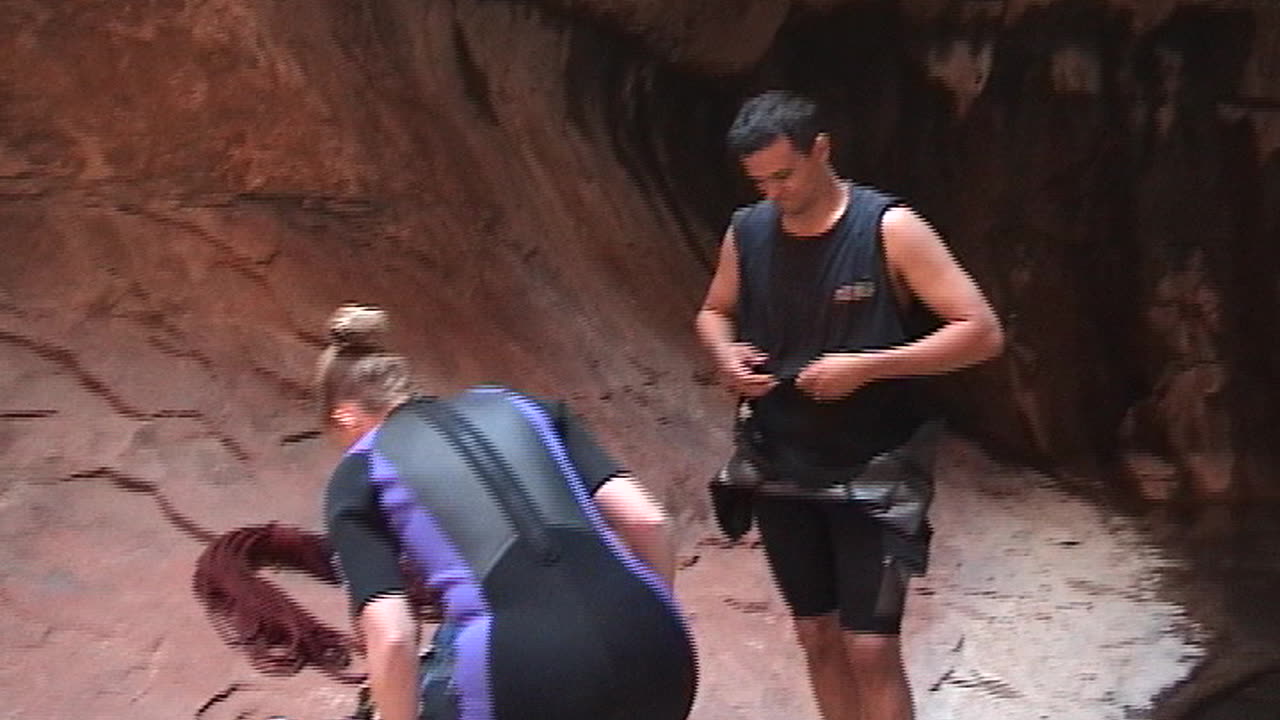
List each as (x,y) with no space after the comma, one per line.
(1040,603)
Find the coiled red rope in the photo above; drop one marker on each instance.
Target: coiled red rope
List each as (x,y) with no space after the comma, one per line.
(257,617)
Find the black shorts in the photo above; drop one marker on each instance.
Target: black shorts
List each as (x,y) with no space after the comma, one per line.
(829,556)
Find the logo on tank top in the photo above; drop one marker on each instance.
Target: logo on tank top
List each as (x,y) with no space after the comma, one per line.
(854,292)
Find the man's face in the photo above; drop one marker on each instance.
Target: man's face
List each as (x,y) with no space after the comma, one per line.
(786,176)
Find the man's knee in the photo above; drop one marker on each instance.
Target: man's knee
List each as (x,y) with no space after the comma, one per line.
(872,652)
(819,635)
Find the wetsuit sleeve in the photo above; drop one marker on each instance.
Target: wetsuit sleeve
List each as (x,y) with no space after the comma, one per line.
(594,464)
(367,551)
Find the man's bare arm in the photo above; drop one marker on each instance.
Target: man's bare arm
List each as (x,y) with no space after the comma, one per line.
(391,638)
(971,333)
(715,320)
(715,327)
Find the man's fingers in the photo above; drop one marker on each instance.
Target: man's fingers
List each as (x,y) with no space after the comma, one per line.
(820,396)
(754,384)
(806,378)
(813,387)
(752,355)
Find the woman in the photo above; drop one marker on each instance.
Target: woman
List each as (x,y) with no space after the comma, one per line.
(553,566)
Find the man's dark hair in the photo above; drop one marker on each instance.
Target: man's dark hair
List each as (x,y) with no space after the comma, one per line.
(771,115)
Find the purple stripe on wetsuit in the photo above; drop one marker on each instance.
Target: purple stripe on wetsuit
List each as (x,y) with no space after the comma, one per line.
(551,441)
(439,561)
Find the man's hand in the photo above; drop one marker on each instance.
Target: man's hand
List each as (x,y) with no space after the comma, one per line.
(737,362)
(837,375)
(734,360)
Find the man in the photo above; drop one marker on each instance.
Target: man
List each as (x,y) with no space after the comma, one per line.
(810,319)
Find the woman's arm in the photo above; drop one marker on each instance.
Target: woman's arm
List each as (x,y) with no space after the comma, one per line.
(634,514)
(641,523)
(391,643)
(368,554)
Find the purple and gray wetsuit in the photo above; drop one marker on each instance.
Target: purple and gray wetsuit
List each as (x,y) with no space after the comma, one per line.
(547,613)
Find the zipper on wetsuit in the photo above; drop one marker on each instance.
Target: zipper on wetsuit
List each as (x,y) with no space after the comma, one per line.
(490,467)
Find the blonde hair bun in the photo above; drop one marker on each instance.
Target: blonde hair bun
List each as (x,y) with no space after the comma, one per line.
(359,328)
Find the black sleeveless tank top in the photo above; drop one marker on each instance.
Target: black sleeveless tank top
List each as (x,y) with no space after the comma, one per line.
(802,297)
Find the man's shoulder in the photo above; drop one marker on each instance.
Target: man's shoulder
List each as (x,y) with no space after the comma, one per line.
(891,211)
(874,195)
(753,227)
(753,213)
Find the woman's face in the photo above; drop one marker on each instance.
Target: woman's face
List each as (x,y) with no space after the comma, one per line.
(350,422)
